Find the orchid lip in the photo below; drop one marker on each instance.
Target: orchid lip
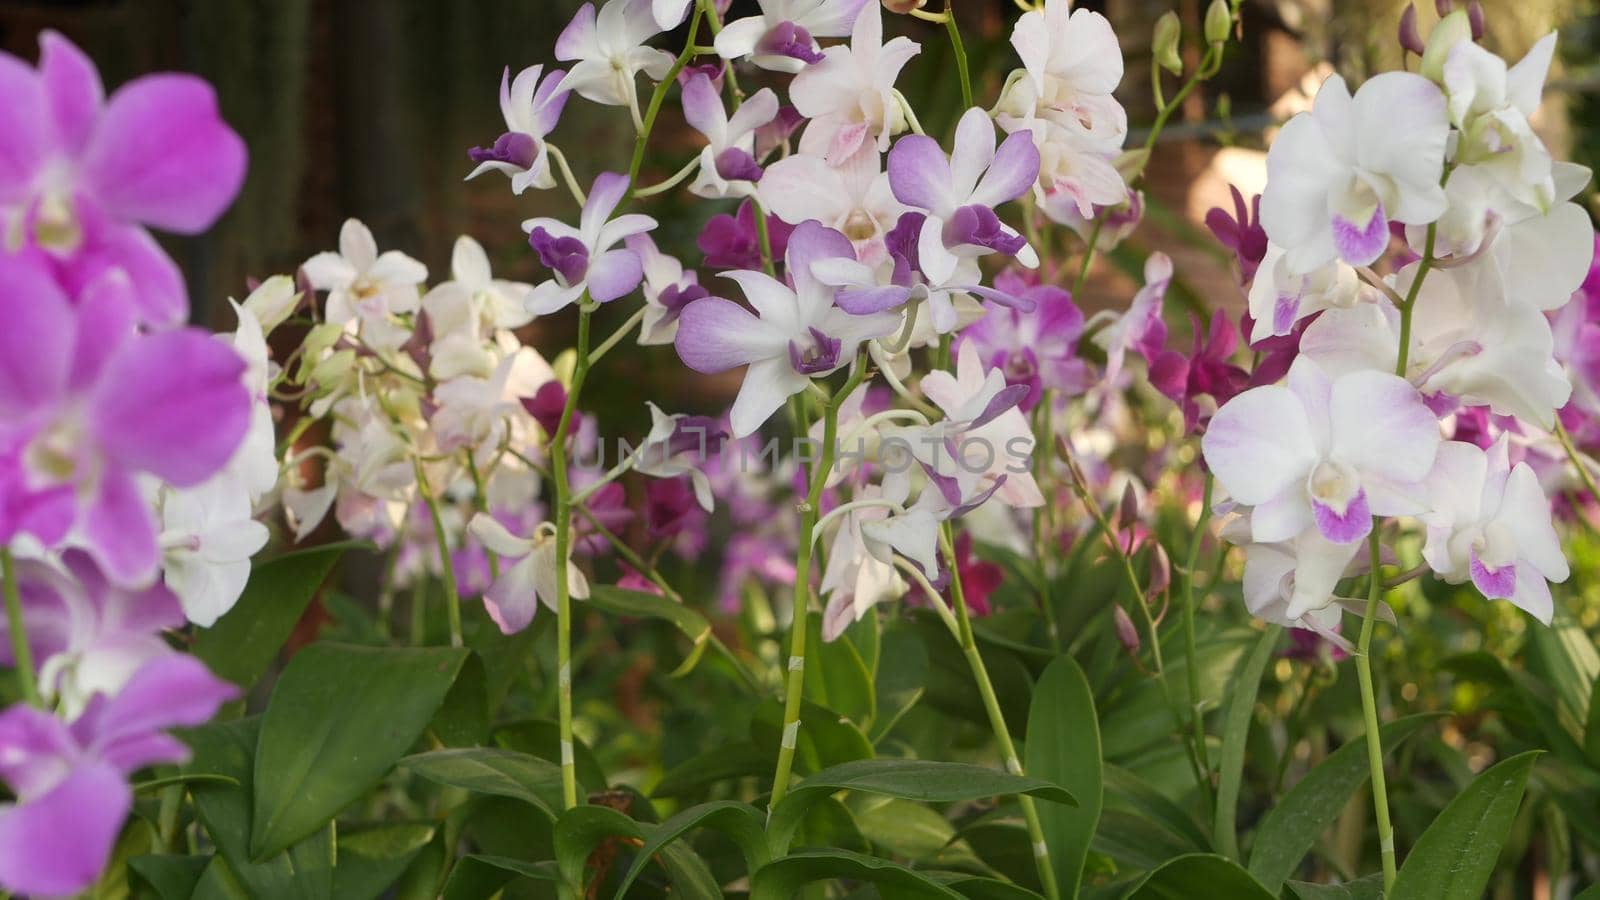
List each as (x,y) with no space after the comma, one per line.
(978,226)
(566,256)
(734,164)
(791,40)
(820,358)
(513,147)
(675,297)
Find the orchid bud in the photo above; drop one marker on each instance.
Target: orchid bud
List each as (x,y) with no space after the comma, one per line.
(1219,22)
(1127,635)
(1451,30)
(1410,38)
(1475,19)
(904,7)
(1128,509)
(1164,43)
(1443,7)
(1160,571)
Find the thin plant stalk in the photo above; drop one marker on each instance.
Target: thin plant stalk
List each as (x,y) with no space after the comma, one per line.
(1369,713)
(447,572)
(563,484)
(21,653)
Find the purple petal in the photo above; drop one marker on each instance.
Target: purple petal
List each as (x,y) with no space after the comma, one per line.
(161,297)
(791,40)
(173,404)
(1358,244)
(575,39)
(167,692)
(33,747)
(1496,584)
(36,340)
(107,319)
(510,601)
(1013,172)
(866,301)
(162,155)
(715,335)
(813,242)
(121,530)
(23,128)
(702,105)
(818,357)
(57,844)
(614,274)
(513,148)
(919,173)
(72,88)
(607,191)
(1353,525)
(734,164)
(566,256)
(1285,312)
(1003,401)
(978,226)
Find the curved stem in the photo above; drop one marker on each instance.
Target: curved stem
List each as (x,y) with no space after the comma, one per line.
(997,719)
(659,95)
(566,174)
(796,670)
(1578,461)
(1410,304)
(447,572)
(672,181)
(1369,712)
(617,336)
(960,53)
(21,653)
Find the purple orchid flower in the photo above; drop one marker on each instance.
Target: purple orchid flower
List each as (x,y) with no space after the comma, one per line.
(71,780)
(731,242)
(582,258)
(531,108)
(728,163)
(81,175)
(1037,350)
(783,37)
(1207,372)
(959,192)
(1241,232)
(87,403)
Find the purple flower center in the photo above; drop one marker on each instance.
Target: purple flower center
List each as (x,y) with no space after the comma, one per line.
(734,164)
(979,226)
(701,434)
(821,356)
(901,242)
(1345,527)
(676,296)
(513,147)
(566,256)
(789,39)
(1496,584)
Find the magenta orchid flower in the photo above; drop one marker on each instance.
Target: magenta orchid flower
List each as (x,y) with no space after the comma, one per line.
(1324,453)
(731,242)
(795,334)
(87,404)
(1489,523)
(1240,232)
(71,781)
(608,52)
(1206,378)
(728,166)
(959,192)
(1338,175)
(583,259)
(531,107)
(783,37)
(82,175)
(849,94)
(1039,349)
(668,288)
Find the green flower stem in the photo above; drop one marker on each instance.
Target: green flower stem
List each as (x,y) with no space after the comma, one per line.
(21,653)
(558,473)
(997,719)
(447,572)
(1410,304)
(1369,712)
(1190,655)
(1578,461)
(960,51)
(796,670)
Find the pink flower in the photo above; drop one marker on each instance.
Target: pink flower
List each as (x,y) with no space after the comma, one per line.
(80,176)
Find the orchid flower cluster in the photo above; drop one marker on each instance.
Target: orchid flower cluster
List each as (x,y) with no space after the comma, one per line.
(1422,310)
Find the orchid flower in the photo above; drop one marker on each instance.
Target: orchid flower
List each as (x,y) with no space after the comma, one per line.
(607,51)
(1073,64)
(368,289)
(669,14)
(82,174)
(849,94)
(668,288)
(1339,174)
(1038,350)
(87,404)
(1140,327)
(207,539)
(1241,232)
(783,37)
(795,335)
(527,573)
(850,195)
(993,444)
(959,192)
(1490,105)
(728,166)
(531,108)
(582,259)
(1489,523)
(1470,339)
(860,572)
(1325,453)
(481,415)
(254,466)
(1280,297)
(71,781)
(466,312)
(680,445)
(1300,575)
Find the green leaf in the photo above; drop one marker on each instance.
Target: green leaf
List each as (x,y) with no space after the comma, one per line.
(542,738)
(1368,888)
(1591,731)
(1290,829)
(339,718)
(156,784)
(1456,855)
(739,821)
(371,860)
(622,602)
(902,676)
(463,718)
(480,875)
(910,831)
(582,829)
(736,760)
(169,876)
(1130,792)
(783,878)
(836,676)
(304,870)
(217,882)
(245,641)
(500,773)
(825,739)
(1235,732)
(1064,747)
(907,779)
(1199,876)
(977,887)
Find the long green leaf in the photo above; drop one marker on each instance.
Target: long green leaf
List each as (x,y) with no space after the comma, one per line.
(623,602)
(1456,855)
(781,879)
(1291,828)
(481,875)
(499,773)
(1368,888)
(339,719)
(1235,731)
(1064,747)
(739,821)
(372,860)
(245,641)
(1199,876)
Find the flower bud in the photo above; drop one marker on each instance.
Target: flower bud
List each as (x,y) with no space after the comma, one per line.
(1219,21)
(1475,19)
(1128,509)
(1443,7)
(1164,43)
(1410,38)
(1451,30)
(904,7)
(1127,635)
